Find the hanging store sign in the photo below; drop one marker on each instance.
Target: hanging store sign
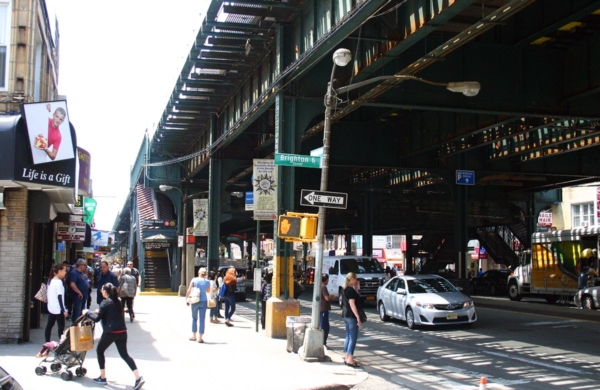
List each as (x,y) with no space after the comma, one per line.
(72,231)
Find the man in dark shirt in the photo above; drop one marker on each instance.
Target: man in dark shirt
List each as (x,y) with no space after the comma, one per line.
(79,287)
(106,276)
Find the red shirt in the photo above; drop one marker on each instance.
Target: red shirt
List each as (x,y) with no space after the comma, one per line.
(54,136)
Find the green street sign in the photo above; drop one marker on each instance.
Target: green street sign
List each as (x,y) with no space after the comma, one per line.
(297,160)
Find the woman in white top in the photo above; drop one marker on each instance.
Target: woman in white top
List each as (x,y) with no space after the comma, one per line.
(57,310)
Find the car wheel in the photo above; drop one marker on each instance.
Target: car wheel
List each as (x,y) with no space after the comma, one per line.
(513,292)
(587,303)
(410,318)
(384,317)
(340,297)
(493,290)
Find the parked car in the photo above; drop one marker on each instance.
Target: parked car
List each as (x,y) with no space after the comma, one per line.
(492,282)
(8,382)
(308,276)
(424,300)
(240,292)
(588,298)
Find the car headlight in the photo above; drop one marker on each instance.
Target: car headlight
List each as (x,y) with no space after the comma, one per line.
(468,304)
(424,305)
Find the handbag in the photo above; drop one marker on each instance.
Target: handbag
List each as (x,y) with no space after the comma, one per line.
(82,337)
(362,314)
(123,291)
(41,295)
(222,291)
(194,296)
(210,301)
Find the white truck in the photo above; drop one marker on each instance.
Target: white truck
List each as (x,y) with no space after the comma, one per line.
(551,268)
(368,270)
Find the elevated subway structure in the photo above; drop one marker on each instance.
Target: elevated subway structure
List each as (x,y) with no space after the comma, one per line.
(254,82)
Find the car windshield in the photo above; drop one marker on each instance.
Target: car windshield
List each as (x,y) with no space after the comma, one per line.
(364,265)
(433,285)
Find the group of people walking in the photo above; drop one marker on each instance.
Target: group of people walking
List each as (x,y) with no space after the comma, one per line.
(114,292)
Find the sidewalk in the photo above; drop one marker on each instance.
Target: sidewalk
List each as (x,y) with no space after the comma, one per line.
(230,358)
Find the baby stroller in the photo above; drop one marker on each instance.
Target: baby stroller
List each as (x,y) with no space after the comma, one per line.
(62,357)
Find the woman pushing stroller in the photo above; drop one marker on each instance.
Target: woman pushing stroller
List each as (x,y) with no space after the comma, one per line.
(114,331)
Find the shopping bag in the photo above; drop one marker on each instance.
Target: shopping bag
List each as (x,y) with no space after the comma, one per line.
(41,295)
(98,330)
(222,291)
(82,337)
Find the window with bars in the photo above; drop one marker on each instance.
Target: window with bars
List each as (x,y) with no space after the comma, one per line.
(583,215)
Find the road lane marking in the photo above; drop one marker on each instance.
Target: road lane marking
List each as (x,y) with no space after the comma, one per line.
(534,362)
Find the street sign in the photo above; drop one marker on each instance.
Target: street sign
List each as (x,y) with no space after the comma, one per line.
(297,160)
(334,200)
(465,177)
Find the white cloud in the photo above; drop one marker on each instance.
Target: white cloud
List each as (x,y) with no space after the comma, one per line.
(119,60)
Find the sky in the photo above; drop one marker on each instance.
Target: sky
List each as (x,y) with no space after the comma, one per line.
(119,60)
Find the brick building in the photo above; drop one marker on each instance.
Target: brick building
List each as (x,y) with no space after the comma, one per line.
(33,196)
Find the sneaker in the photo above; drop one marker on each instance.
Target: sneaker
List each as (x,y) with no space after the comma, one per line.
(100,380)
(139,383)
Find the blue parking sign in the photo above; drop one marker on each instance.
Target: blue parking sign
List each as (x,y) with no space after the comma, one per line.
(465,177)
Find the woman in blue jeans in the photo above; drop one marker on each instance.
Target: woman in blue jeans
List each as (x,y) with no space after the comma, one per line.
(199,308)
(351,316)
(230,281)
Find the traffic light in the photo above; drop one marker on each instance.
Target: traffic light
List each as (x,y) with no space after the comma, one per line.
(288,227)
(297,227)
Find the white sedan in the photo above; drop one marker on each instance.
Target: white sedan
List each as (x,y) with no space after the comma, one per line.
(424,300)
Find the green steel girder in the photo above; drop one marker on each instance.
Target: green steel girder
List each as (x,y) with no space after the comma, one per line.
(417,20)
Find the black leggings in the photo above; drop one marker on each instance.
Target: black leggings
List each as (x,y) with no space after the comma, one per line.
(120,339)
(52,318)
(129,302)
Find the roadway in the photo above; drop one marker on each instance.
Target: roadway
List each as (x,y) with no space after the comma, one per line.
(515,345)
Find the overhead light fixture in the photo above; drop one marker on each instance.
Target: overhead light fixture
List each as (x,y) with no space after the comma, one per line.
(237,194)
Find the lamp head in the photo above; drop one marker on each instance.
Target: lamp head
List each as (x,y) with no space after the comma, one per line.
(467,88)
(237,194)
(341,57)
(164,187)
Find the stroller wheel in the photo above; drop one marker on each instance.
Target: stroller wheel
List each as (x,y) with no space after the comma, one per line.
(55,367)
(66,375)
(80,371)
(40,370)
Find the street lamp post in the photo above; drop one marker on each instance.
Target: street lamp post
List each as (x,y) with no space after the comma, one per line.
(313,340)
(187,268)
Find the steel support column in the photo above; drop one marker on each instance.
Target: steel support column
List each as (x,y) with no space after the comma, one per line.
(214,203)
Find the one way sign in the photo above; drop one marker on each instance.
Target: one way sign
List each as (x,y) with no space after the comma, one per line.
(334,200)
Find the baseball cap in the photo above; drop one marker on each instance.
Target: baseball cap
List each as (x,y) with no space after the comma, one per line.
(80,262)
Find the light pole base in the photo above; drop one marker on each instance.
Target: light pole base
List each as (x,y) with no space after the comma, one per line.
(182,290)
(312,349)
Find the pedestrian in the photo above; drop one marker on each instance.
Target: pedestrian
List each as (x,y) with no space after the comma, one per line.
(67,284)
(350,312)
(114,331)
(265,293)
(106,276)
(325,304)
(79,288)
(214,311)
(230,281)
(199,308)
(57,310)
(220,276)
(127,290)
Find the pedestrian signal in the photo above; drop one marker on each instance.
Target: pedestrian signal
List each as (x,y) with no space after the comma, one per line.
(288,227)
(308,228)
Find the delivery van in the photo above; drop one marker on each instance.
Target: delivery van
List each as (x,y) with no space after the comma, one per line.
(368,270)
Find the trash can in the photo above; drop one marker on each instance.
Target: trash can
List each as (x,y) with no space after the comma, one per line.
(296,327)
